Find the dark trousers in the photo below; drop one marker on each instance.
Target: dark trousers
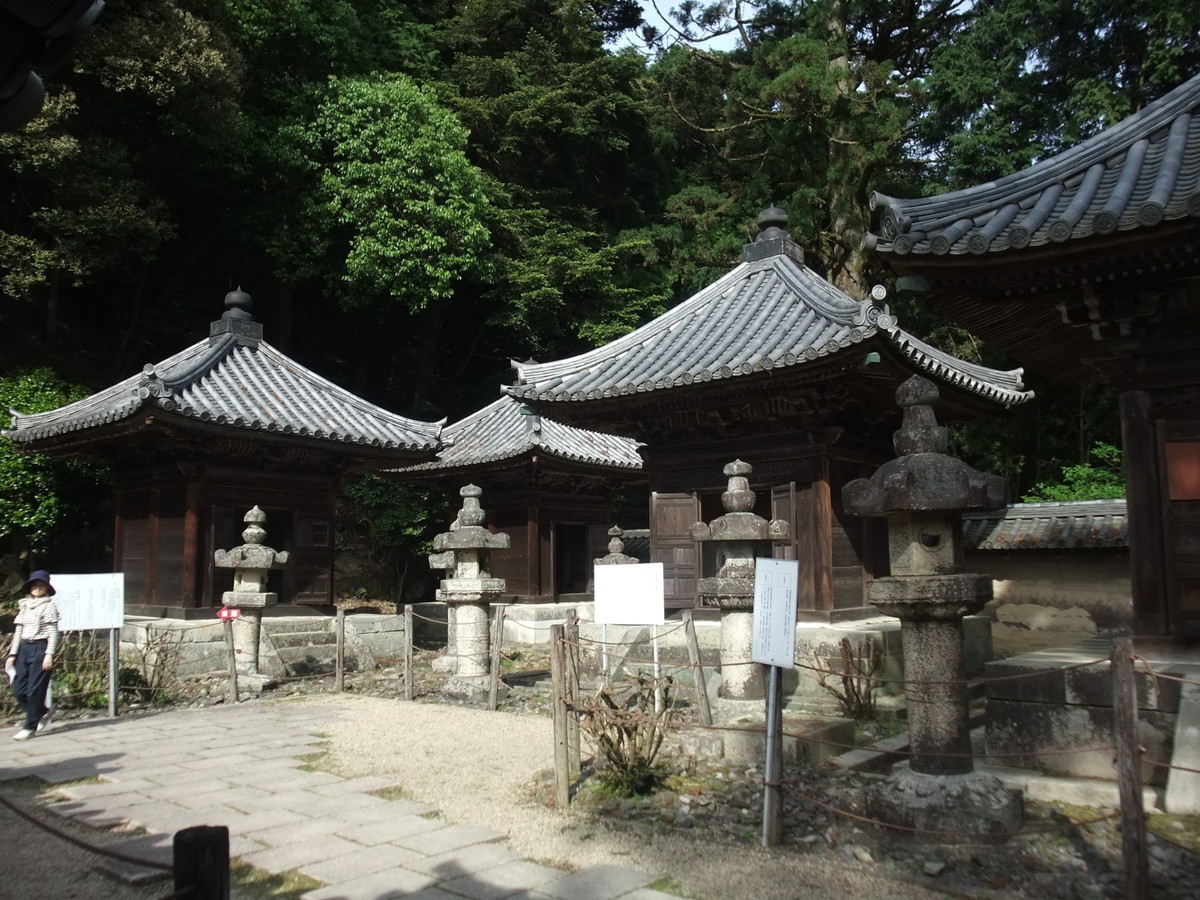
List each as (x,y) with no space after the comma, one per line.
(31,683)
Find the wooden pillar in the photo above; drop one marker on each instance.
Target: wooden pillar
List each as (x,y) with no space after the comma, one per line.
(533,552)
(1148,537)
(191,547)
(815,515)
(152,515)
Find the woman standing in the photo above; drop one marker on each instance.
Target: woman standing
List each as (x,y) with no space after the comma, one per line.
(31,656)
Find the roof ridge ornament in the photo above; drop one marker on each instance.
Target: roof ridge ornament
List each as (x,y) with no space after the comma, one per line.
(237,319)
(773,238)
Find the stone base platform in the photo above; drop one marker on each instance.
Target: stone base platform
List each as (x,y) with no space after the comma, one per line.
(1032,721)
(973,803)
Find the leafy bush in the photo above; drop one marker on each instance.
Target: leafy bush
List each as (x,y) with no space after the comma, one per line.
(1102,480)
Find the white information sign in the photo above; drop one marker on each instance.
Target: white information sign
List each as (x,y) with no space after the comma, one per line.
(775,585)
(630,594)
(89,602)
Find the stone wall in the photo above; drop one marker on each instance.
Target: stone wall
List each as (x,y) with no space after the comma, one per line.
(1050,598)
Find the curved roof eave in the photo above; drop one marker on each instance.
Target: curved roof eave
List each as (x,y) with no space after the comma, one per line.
(245,385)
(1140,172)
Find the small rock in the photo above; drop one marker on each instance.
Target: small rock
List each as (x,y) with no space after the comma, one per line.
(933,868)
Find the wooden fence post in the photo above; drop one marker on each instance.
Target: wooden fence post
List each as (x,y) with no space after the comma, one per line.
(340,662)
(574,759)
(689,631)
(408,652)
(497,655)
(231,654)
(558,678)
(200,859)
(1129,769)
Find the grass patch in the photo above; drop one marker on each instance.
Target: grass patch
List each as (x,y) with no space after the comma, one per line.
(666,885)
(1181,830)
(432,814)
(317,761)
(255,884)
(391,792)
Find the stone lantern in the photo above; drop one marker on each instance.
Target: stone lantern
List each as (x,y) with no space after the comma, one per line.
(252,562)
(616,555)
(739,536)
(468,591)
(922,494)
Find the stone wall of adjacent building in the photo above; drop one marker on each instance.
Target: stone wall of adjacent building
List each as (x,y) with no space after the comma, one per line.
(1050,598)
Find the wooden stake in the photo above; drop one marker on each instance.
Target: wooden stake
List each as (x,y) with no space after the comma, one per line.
(232,656)
(574,759)
(558,677)
(689,631)
(200,860)
(497,655)
(340,662)
(408,652)
(1129,769)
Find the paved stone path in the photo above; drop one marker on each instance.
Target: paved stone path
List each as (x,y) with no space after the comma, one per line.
(245,767)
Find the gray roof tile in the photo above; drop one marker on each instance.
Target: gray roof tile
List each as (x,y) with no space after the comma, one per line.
(1088,524)
(1143,171)
(507,430)
(769,313)
(240,383)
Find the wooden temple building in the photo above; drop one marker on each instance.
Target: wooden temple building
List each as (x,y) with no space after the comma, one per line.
(1087,266)
(773,365)
(550,486)
(196,440)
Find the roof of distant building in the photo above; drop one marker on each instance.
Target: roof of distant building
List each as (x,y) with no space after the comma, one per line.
(235,380)
(506,429)
(1086,524)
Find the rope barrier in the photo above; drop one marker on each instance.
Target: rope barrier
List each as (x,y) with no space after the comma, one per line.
(524,624)
(648,640)
(1163,765)
(84,845)
(1165,677)
(417,615)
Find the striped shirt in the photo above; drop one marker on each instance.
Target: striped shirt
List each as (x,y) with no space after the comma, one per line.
(37,620)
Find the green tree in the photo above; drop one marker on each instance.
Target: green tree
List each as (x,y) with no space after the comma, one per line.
(398,201)
(1028,78)
(41,496)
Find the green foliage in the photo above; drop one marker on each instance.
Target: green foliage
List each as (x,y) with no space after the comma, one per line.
(40,496)
(390,525)
(1099,480)
(394,180)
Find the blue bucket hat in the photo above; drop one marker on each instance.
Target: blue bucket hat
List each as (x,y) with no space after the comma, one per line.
(40,575)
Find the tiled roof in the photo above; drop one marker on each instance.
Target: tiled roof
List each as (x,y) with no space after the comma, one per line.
(1143,171)
(507,430)
(244,384)
(1087,524)
(769,313)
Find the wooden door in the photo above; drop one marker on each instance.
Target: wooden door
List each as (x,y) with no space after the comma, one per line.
(672,516)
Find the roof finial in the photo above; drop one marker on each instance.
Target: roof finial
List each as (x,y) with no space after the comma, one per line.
(772,223)
(238,304)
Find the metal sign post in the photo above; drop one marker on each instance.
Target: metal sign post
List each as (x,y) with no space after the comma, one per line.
(774,645)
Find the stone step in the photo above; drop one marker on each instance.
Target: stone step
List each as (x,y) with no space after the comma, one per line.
(291,624)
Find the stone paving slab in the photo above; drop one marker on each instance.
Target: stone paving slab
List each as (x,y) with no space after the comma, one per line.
(384,885)
(246,767)
(364,861)
(605,882)
(450,837)
(505,880)
(295,856)
(464,861)
(390,830)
